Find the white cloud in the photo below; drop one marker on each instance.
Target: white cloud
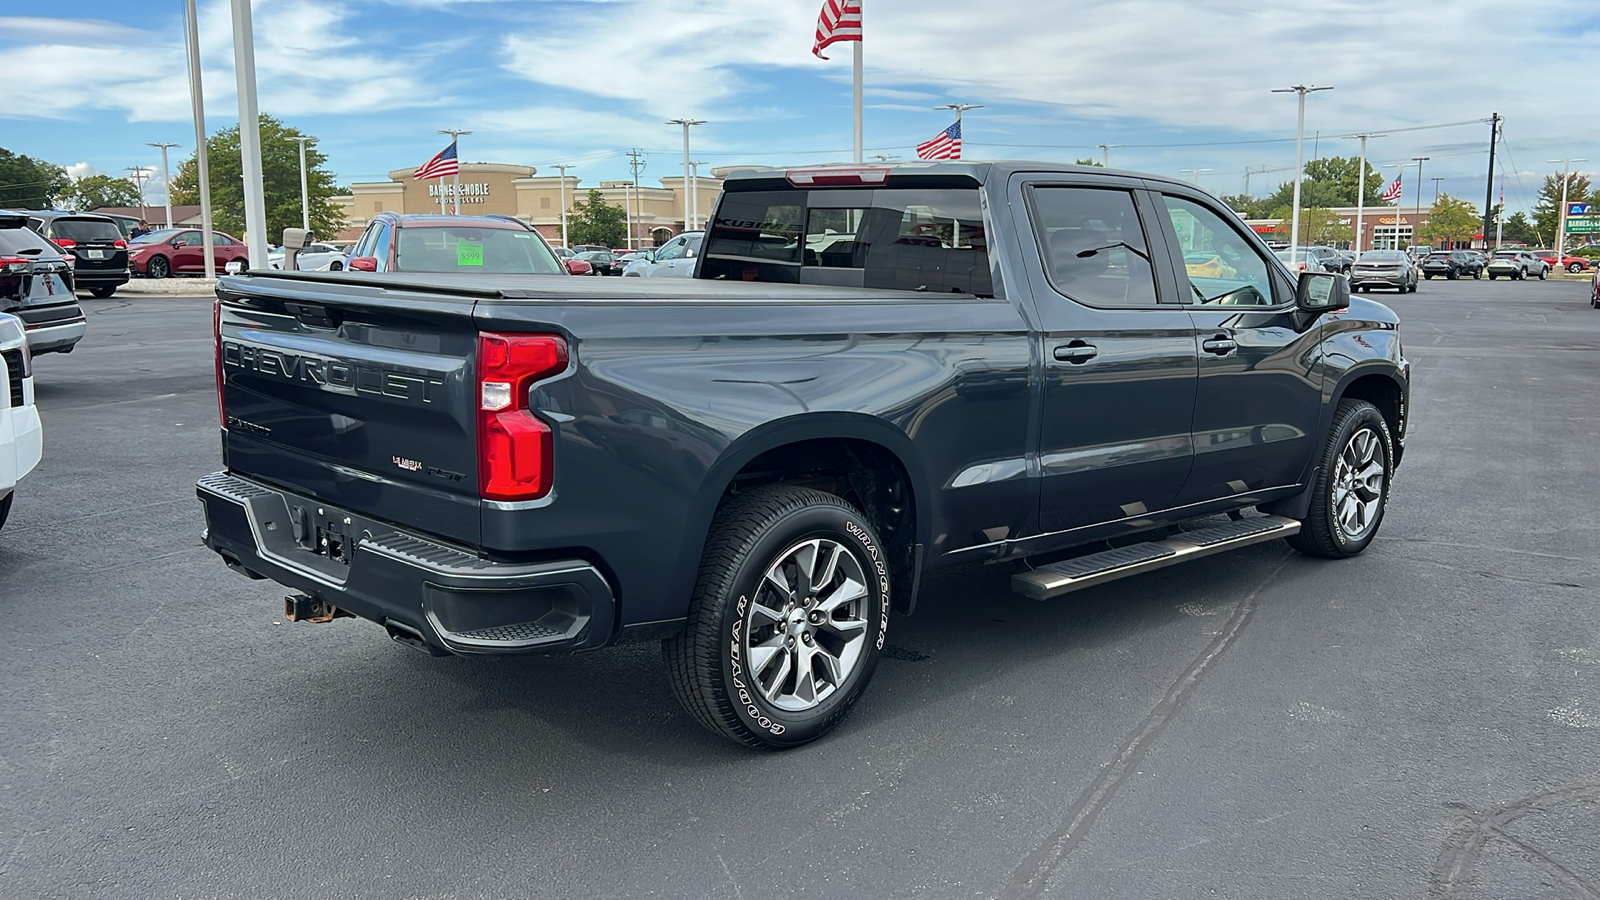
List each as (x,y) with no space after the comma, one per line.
(82,170)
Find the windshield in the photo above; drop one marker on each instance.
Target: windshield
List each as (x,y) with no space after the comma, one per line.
(82,230)
(156,237)
(465,248)
(1378,256)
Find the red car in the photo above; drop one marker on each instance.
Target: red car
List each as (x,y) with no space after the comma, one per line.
(172,251)
(478,245)
(1573,264)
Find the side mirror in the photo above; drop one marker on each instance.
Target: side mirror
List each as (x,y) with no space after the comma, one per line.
(650,255)
(362,264)
(1320,292)
(179,242)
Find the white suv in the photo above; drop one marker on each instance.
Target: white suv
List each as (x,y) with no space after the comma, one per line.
(21,435)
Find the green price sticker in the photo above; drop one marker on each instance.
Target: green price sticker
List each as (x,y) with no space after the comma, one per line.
(469,253)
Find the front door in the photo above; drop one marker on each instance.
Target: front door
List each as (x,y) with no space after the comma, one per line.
(1119,356)
(1256,412)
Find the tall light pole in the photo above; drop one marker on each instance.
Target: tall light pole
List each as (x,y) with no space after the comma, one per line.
(1436,179)
(1561,221)
(1195,173)
(959,108)
(138,177)
(455,188)
(1361,188)
(694,178)
(244,67)
(564,167)
(166,178)
(202,171)
(1419,160)
(688,185)
(1299,163)
(636,164)
(305,196)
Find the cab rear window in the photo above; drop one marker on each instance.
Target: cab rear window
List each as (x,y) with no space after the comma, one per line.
(895,238)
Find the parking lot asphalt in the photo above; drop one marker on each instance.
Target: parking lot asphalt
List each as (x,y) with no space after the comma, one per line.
(1420,721)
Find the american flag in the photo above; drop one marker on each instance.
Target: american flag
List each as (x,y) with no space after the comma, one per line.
(945,145)
(1392,192)
(840,20)
(440,166)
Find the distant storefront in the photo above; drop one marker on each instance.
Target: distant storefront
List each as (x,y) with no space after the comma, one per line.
(1382,227)
(509,190)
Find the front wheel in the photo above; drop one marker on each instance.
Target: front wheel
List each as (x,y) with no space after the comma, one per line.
(1477,274)
(1351,488)
(336,266)
(1574,268)
(158,267)
(787,620)
(1544,273)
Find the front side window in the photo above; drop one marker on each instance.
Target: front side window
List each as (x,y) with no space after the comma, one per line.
(1222,268)
(672,249)
(1094,246)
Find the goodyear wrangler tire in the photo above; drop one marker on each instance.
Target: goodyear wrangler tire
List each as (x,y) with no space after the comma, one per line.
(787,620)
(1351,489)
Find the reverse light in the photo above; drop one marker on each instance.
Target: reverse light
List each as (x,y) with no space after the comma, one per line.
(838,176)
(515,447)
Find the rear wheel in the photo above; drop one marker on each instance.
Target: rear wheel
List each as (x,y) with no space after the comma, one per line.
(1493,276)
(103,292)
(1351,488)
(158,267)
(336,266)
(787,619)
(1574,268)
(1477,274)
(1428,275)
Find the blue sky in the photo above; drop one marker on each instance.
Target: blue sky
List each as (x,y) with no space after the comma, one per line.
(1179,84)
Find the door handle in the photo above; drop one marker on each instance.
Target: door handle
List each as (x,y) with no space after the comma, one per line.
(1219,345)
(1077,352)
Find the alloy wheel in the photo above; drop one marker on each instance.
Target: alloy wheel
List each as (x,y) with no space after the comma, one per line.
(1358,484)
(807,627)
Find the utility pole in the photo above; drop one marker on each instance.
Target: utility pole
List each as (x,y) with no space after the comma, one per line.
(244,67)
(959,108)
(197,98)
(455,189)
(1436,179)
(636,164)
(688,183)
(694,177)
(1419,160)
(138,177)
(1105,156)
(564,167)
(305,196)
(1488,191)
(1299,163)
(166,178)
(1361,189)
(1561,220)
(1195,173)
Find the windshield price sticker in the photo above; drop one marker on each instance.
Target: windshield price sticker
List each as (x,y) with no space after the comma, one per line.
(469,253)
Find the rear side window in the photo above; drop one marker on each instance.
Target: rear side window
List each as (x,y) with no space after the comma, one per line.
(85,230)
(17,240)
(899,239)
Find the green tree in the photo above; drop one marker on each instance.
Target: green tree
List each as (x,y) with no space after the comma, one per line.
(594,221)
(92,192)
(1451,220)
(280,170)
(1246,206)
(1089,162)
(28,183)
(1329,181)
(1518,230)
(1318,225)
(1547,211)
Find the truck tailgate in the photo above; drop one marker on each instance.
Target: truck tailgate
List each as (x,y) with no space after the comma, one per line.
(356,396)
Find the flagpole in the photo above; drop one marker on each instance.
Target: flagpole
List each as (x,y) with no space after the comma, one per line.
(856,58)
(455,190)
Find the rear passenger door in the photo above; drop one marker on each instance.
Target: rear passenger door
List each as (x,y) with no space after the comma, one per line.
(1118,348)
(1259,400)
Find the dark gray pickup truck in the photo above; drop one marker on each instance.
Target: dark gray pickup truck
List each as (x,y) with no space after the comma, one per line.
(876,371)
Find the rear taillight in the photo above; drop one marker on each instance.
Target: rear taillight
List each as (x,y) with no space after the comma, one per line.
(216,335)
(515,447)
(120,244)
(63,243)
(10,265)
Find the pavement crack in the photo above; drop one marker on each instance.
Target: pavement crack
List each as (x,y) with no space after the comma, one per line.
(1031,876)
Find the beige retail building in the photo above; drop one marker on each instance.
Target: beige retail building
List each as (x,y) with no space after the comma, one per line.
(657,213)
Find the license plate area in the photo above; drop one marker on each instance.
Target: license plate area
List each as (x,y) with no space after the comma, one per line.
(325,532)
(95,254)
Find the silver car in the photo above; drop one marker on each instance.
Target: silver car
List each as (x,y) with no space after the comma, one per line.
(674,259)
(1385,269)
(1517,265)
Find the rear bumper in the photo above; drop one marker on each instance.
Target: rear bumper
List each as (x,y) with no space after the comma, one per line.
(1398,279)
(21,444)
(93,278)
(56,335)
(451,600)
